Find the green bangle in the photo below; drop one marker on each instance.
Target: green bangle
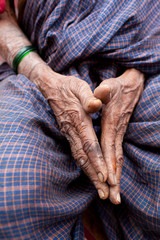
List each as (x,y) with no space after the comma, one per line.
(20,55)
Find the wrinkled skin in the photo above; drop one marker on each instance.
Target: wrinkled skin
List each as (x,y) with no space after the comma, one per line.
(72,100)
(119,96)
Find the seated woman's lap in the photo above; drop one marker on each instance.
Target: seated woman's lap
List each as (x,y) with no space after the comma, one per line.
(42,190)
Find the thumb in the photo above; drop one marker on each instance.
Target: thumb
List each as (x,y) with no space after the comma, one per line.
(107,90)
(85,95)
(103,92)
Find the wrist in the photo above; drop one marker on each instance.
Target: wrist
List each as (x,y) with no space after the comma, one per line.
(20,55)
(132,73)
(28,64)
(132,77)
(40,74)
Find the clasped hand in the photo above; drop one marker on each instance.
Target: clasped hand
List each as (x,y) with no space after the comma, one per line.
(72,101)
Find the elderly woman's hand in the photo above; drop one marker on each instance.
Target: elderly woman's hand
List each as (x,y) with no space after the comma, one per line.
(119,96)
(71,100)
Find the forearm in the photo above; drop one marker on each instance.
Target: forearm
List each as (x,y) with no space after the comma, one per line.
(12,40)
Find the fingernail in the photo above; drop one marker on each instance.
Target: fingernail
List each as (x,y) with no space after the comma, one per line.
(113,179)
(100,176)
(81,161)
(118,198)
(101,193)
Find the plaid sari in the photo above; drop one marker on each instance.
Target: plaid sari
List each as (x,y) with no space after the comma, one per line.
(42,190)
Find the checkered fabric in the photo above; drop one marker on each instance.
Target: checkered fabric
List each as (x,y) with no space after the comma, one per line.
(42,191)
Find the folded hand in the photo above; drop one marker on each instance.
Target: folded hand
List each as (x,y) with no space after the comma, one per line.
(71,100)
(119,96)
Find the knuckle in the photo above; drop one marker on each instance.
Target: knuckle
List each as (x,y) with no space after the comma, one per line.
(120,161)
(86,165)
(79,156)
(118,181)
(82,129)
(111,145)
(83,163)
(78,85)
(83,85)
(75,117)
(110,169)
(74,114)
(69,120)
(65,128)
(69,139)
(90,146)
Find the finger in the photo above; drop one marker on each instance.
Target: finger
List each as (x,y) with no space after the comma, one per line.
(108,90)
(83,92)
(109,121)
(78,122)
(92,148)
(110,117)
(108,136)
(102,188)
(81,158)
(114,194)
(122,126)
